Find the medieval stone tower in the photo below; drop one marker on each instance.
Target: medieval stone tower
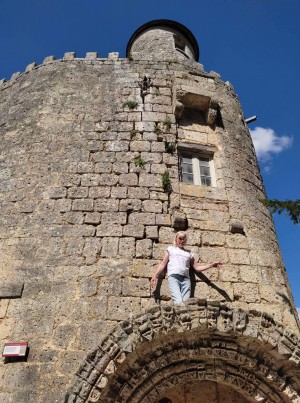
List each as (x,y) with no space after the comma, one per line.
(102,161)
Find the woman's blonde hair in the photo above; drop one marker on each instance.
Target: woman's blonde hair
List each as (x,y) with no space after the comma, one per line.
(179,233)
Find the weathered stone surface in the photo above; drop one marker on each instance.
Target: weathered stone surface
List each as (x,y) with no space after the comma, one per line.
(85,219)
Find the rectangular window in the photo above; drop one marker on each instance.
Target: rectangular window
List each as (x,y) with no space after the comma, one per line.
(197,170)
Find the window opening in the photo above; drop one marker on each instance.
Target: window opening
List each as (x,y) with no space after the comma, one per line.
(197,170)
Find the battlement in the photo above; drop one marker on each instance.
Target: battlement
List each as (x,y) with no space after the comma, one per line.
(112,59)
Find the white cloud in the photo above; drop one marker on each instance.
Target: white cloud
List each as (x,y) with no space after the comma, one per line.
(267,143)
(298,310)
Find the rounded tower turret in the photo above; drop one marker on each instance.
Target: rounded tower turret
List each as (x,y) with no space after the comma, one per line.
(162,40)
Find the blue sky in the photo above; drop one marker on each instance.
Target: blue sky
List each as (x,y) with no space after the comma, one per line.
(255,44)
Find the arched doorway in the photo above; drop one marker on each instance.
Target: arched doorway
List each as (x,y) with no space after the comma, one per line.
(191,350)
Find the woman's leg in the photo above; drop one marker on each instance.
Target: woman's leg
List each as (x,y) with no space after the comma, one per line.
(175,288)
(185,288)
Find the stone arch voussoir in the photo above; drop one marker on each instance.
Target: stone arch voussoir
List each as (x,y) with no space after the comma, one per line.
(246,350)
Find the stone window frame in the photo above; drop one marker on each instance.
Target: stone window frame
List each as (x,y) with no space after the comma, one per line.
(195,152)
(180,45)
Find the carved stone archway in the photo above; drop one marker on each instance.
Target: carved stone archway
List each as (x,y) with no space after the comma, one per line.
(142,359)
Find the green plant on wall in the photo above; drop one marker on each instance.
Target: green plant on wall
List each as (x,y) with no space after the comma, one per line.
(170,147)
(130,104)
(139,162)
(133,133)
(156,92)
(157,129)
(166,182)
(167,123)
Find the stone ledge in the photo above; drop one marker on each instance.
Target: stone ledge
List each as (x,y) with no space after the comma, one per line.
(11,290)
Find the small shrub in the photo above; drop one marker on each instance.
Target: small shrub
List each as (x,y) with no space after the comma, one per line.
(166,182)
(170,147)
(167,123)
(156,92)
(133,133)
(130,104)
(139,162)
(157,129)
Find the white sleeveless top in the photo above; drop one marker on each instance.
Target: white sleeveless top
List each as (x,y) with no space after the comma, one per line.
(179,261)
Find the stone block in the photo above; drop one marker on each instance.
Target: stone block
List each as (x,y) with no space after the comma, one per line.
(92,248)
(92,218)
(77,192)
(153,117)
(74,217)
(11,290)
(109,230)
(130,205)
(107,205)
(152,232)
(135,287)
(83,205)
(127,247)
(246,292)
(57,193)
(120,167)
(103,167)
(69,56)
(120,308)
(158,168)
(130,179)
(144,248)
(163,219)
(113,218)
(135,230)
(142,219)
(230,273)
(213,254)
(110,245)
(117,145)
(119,192)
(155,158)
(213,238)
(90,180)
(138,193)
(99,192)
(109,179)
(238,256)
(166,235)
(152,206)
(75,246)
(104,156)
(150,180)
(250,274)
(113,56)
(85,167)
(108,287)
(136,145)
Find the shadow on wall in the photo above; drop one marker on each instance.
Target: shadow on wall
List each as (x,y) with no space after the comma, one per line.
(158,296)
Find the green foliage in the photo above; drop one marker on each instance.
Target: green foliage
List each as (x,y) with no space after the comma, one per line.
(130,104)
(166,182)
(156,92)
(157,129)
(167,123)
(133,133)
(170,147)
(290,207)
(139,162)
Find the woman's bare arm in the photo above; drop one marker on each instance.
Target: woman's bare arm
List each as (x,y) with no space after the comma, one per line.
(197,267)
(160,269)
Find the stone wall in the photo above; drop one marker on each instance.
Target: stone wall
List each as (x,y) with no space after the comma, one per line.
(85,215)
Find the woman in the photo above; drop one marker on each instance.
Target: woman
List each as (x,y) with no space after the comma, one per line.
(178,261)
